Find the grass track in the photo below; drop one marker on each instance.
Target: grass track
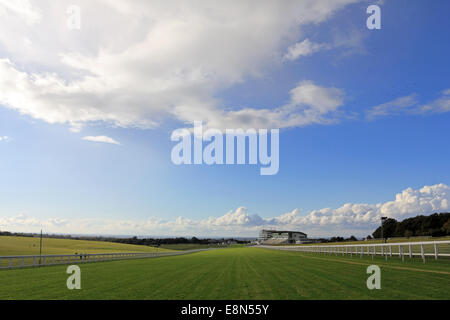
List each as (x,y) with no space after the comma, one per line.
(30,246)
(234,273)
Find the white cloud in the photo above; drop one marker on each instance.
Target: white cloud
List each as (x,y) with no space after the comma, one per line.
(410,105)
(396,106)
(304,48)
(4,138)
(21,9)
(347,42)
(349,219)
(103,139)
(320,99)
(144,62)
(440,105)
(309,104)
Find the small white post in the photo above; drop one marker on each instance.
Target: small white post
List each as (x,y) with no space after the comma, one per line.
(390,251)
(436,253)
(422,252)
(410,251)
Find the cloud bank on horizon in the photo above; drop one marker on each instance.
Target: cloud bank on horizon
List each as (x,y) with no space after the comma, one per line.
(349,219)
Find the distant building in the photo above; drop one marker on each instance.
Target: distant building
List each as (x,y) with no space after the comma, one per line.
(282,237)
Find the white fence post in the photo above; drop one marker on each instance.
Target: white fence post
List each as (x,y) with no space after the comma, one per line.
(436,253)
(422,252)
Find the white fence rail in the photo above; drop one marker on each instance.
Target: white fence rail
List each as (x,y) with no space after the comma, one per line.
(421,249)
(13,262)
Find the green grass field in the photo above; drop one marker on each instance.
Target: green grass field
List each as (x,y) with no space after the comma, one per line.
(189,246)
(30,246)
(235,273)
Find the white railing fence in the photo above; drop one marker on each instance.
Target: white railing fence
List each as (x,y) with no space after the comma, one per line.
(13,262)
(422,249)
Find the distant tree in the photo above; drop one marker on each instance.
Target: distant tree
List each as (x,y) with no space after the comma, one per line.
(195,240)
(389,229)
(337,239)
(433,225)
(446,227)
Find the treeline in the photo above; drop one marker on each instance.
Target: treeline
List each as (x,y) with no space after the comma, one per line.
(16,234)
(133,240)
(181,240)
(342,239)
(435,225)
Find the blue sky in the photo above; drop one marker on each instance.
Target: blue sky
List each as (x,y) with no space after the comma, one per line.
(386,133)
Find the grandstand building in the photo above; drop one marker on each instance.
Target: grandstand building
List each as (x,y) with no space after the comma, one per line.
(282,237)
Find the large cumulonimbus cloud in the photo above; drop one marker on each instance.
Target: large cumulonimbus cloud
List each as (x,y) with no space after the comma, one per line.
(349,219)
(136,63)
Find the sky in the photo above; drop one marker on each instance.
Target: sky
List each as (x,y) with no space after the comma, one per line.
(90,96)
